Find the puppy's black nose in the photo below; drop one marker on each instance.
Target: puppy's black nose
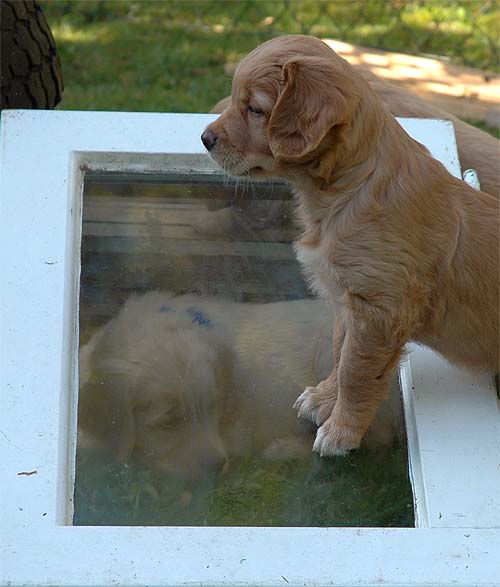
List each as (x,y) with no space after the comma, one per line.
(209,138)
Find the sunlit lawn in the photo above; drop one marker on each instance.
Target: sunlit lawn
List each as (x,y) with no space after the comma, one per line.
(170,56)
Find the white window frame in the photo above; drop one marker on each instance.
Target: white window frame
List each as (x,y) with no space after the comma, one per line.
(452,417)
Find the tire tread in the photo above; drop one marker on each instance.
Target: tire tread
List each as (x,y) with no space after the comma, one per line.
(31,75)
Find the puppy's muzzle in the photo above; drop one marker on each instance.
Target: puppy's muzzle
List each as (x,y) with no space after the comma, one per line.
(209,138)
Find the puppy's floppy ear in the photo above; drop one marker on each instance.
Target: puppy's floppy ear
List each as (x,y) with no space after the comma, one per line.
(318,93)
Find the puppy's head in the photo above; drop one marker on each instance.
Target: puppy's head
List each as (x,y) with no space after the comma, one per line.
(178,407)
(292,99)
(153,388)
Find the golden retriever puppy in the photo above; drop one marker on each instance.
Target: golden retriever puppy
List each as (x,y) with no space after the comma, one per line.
(476,149)
(403,250)
(185,383)
(151,382)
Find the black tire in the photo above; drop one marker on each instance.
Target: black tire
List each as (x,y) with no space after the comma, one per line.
(31,75)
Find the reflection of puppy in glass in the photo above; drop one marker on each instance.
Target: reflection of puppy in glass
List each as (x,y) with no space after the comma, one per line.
(184,383)
(154,383)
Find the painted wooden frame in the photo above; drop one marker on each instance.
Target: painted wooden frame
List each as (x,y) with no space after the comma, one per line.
(452,417)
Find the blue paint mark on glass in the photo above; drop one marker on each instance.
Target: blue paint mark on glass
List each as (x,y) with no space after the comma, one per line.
(198,317)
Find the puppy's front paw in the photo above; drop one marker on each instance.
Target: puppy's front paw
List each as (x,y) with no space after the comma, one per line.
(334,439)
(315,404)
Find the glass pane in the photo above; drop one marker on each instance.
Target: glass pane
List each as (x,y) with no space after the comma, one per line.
(197,334)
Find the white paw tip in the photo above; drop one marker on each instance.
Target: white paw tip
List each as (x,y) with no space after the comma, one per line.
(326,446)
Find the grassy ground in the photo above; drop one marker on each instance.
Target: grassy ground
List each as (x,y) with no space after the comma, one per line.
(170,56)
(483,126)
(364,489)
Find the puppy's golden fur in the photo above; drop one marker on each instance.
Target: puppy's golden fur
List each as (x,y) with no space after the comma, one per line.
(401,248)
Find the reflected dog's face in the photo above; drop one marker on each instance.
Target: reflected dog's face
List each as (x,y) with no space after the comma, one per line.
(153,386)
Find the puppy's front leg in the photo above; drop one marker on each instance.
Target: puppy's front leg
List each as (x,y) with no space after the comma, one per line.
(316,403)
(369,354)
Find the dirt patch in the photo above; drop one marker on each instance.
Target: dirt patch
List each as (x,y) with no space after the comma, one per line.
(463,91)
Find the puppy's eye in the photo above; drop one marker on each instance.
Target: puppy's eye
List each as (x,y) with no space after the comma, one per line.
(170,420)
(256,111)
(168,423)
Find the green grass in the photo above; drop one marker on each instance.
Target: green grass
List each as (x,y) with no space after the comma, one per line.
(170,56)
(483,126)
(364,489)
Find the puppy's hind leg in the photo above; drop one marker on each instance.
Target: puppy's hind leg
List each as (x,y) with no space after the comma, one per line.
(316,403)
(368,358)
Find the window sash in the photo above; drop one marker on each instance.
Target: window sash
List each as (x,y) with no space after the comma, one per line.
(453,433)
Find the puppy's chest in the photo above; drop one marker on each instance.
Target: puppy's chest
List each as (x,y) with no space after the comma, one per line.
(320,272)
